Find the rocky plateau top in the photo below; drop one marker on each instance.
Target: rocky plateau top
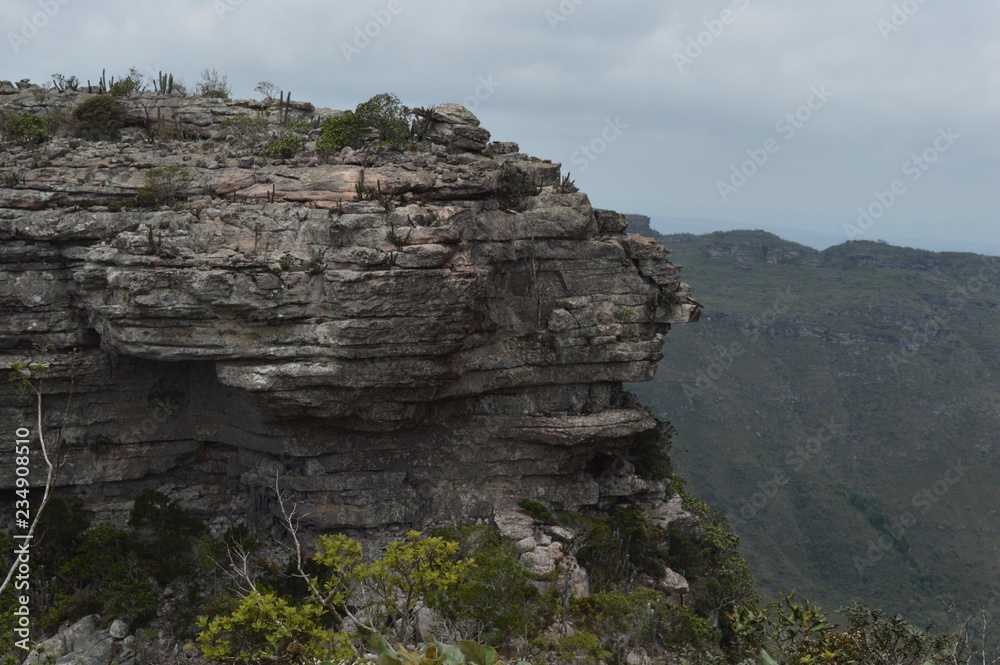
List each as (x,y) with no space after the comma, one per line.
(429,355)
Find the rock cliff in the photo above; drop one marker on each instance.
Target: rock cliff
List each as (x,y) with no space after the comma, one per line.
(424,355)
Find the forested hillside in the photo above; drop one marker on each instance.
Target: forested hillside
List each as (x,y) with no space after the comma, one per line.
(842,407)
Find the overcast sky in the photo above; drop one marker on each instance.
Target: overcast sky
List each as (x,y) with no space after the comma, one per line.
(787,115)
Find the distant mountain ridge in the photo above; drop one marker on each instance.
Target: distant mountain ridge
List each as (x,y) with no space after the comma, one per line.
(842,407)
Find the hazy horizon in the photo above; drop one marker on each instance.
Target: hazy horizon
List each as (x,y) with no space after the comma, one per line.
(856,118)
(815,239)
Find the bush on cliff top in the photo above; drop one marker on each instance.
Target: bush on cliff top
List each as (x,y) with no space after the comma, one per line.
(383,113)
(100,118)
(24,128)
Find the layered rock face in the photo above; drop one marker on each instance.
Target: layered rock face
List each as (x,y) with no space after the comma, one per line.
(423,356)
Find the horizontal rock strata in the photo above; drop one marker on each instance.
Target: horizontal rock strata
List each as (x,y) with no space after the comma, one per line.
(426,357)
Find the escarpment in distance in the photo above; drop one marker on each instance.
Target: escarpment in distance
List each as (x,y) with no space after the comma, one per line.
(389,332)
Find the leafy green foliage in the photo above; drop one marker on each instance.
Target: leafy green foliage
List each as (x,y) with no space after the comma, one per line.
(100,118)
(103,576)
(338,133)
(112,571)
(25,373)
(620,546)
(285,147)
(164,185)
(246,132)
(642,619)
(495,598)
(129,85)
(24,128)
(165,536)
(265,628)
(439,653)
(649,452)
(386,114)
(514,187)
(537,510)
(413,569)
(383,113)
(712,563)
(791,632)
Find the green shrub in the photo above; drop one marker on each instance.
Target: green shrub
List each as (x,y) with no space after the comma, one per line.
(266,628)
(514,187)
(792,632)
(103,576)
(246,132)
(100,118)
(620,546)
(164,537)
(495,599)
(338,133)
(127,86)
(384,113)
(284,147)
(164,185)
(649,452)
(642,618)
(538,511)
(720,577)
(25,128)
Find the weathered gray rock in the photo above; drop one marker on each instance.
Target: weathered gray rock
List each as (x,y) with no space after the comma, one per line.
(118,629)
(83,642)
(433,359)
(455,127)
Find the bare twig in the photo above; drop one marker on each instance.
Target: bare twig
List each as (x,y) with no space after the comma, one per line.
(291,524)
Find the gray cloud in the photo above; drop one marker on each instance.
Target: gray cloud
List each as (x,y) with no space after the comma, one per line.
(561,70)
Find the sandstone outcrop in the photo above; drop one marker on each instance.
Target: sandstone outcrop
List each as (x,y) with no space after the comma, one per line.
(426,356)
